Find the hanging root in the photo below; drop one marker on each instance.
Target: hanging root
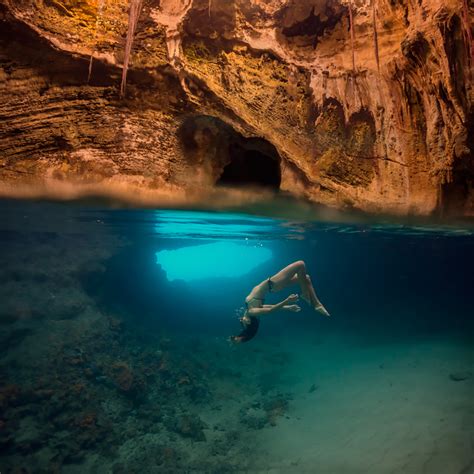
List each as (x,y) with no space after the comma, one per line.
(352,34)
(133,15)
(376,40)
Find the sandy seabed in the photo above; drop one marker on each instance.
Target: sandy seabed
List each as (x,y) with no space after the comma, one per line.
(381,409)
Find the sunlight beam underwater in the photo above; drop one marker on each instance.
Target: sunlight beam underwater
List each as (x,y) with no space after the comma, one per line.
(215,260)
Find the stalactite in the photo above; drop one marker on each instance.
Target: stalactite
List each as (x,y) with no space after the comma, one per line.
(91,60)
(376,41)
(352,34)
(133,15)
(100,7)
(210,6)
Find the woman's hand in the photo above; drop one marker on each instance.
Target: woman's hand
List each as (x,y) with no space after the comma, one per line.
(292,298)
(293,307)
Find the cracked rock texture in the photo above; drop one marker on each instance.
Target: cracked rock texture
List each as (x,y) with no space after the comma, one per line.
(383,124)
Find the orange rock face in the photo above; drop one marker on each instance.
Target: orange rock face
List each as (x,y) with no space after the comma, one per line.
(365,104)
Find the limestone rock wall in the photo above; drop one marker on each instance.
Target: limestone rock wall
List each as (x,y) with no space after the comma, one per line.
(380,119)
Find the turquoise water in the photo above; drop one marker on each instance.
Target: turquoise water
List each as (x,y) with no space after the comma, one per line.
(115,358)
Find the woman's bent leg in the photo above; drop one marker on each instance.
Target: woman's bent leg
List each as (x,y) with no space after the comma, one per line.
(296,273)
(293,273)
(317,305)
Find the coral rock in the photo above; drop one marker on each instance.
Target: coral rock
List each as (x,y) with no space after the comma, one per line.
(191,427)
(123,376)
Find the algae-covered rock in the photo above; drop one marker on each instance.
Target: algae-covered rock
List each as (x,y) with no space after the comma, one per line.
(190,426)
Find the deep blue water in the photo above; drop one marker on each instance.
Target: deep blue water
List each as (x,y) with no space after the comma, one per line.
(385,284)
(371,281)
(403,278)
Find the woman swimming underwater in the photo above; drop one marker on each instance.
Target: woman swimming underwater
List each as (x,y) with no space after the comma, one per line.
(292,274)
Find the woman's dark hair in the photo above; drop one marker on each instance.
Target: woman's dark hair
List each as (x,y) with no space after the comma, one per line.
(249,330)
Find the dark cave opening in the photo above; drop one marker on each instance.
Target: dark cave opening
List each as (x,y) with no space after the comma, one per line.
(226,157)
(251,167)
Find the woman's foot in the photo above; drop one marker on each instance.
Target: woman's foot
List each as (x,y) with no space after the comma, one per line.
(317,306)
(321,309)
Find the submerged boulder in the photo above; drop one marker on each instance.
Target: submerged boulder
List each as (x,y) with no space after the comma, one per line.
(188,426)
